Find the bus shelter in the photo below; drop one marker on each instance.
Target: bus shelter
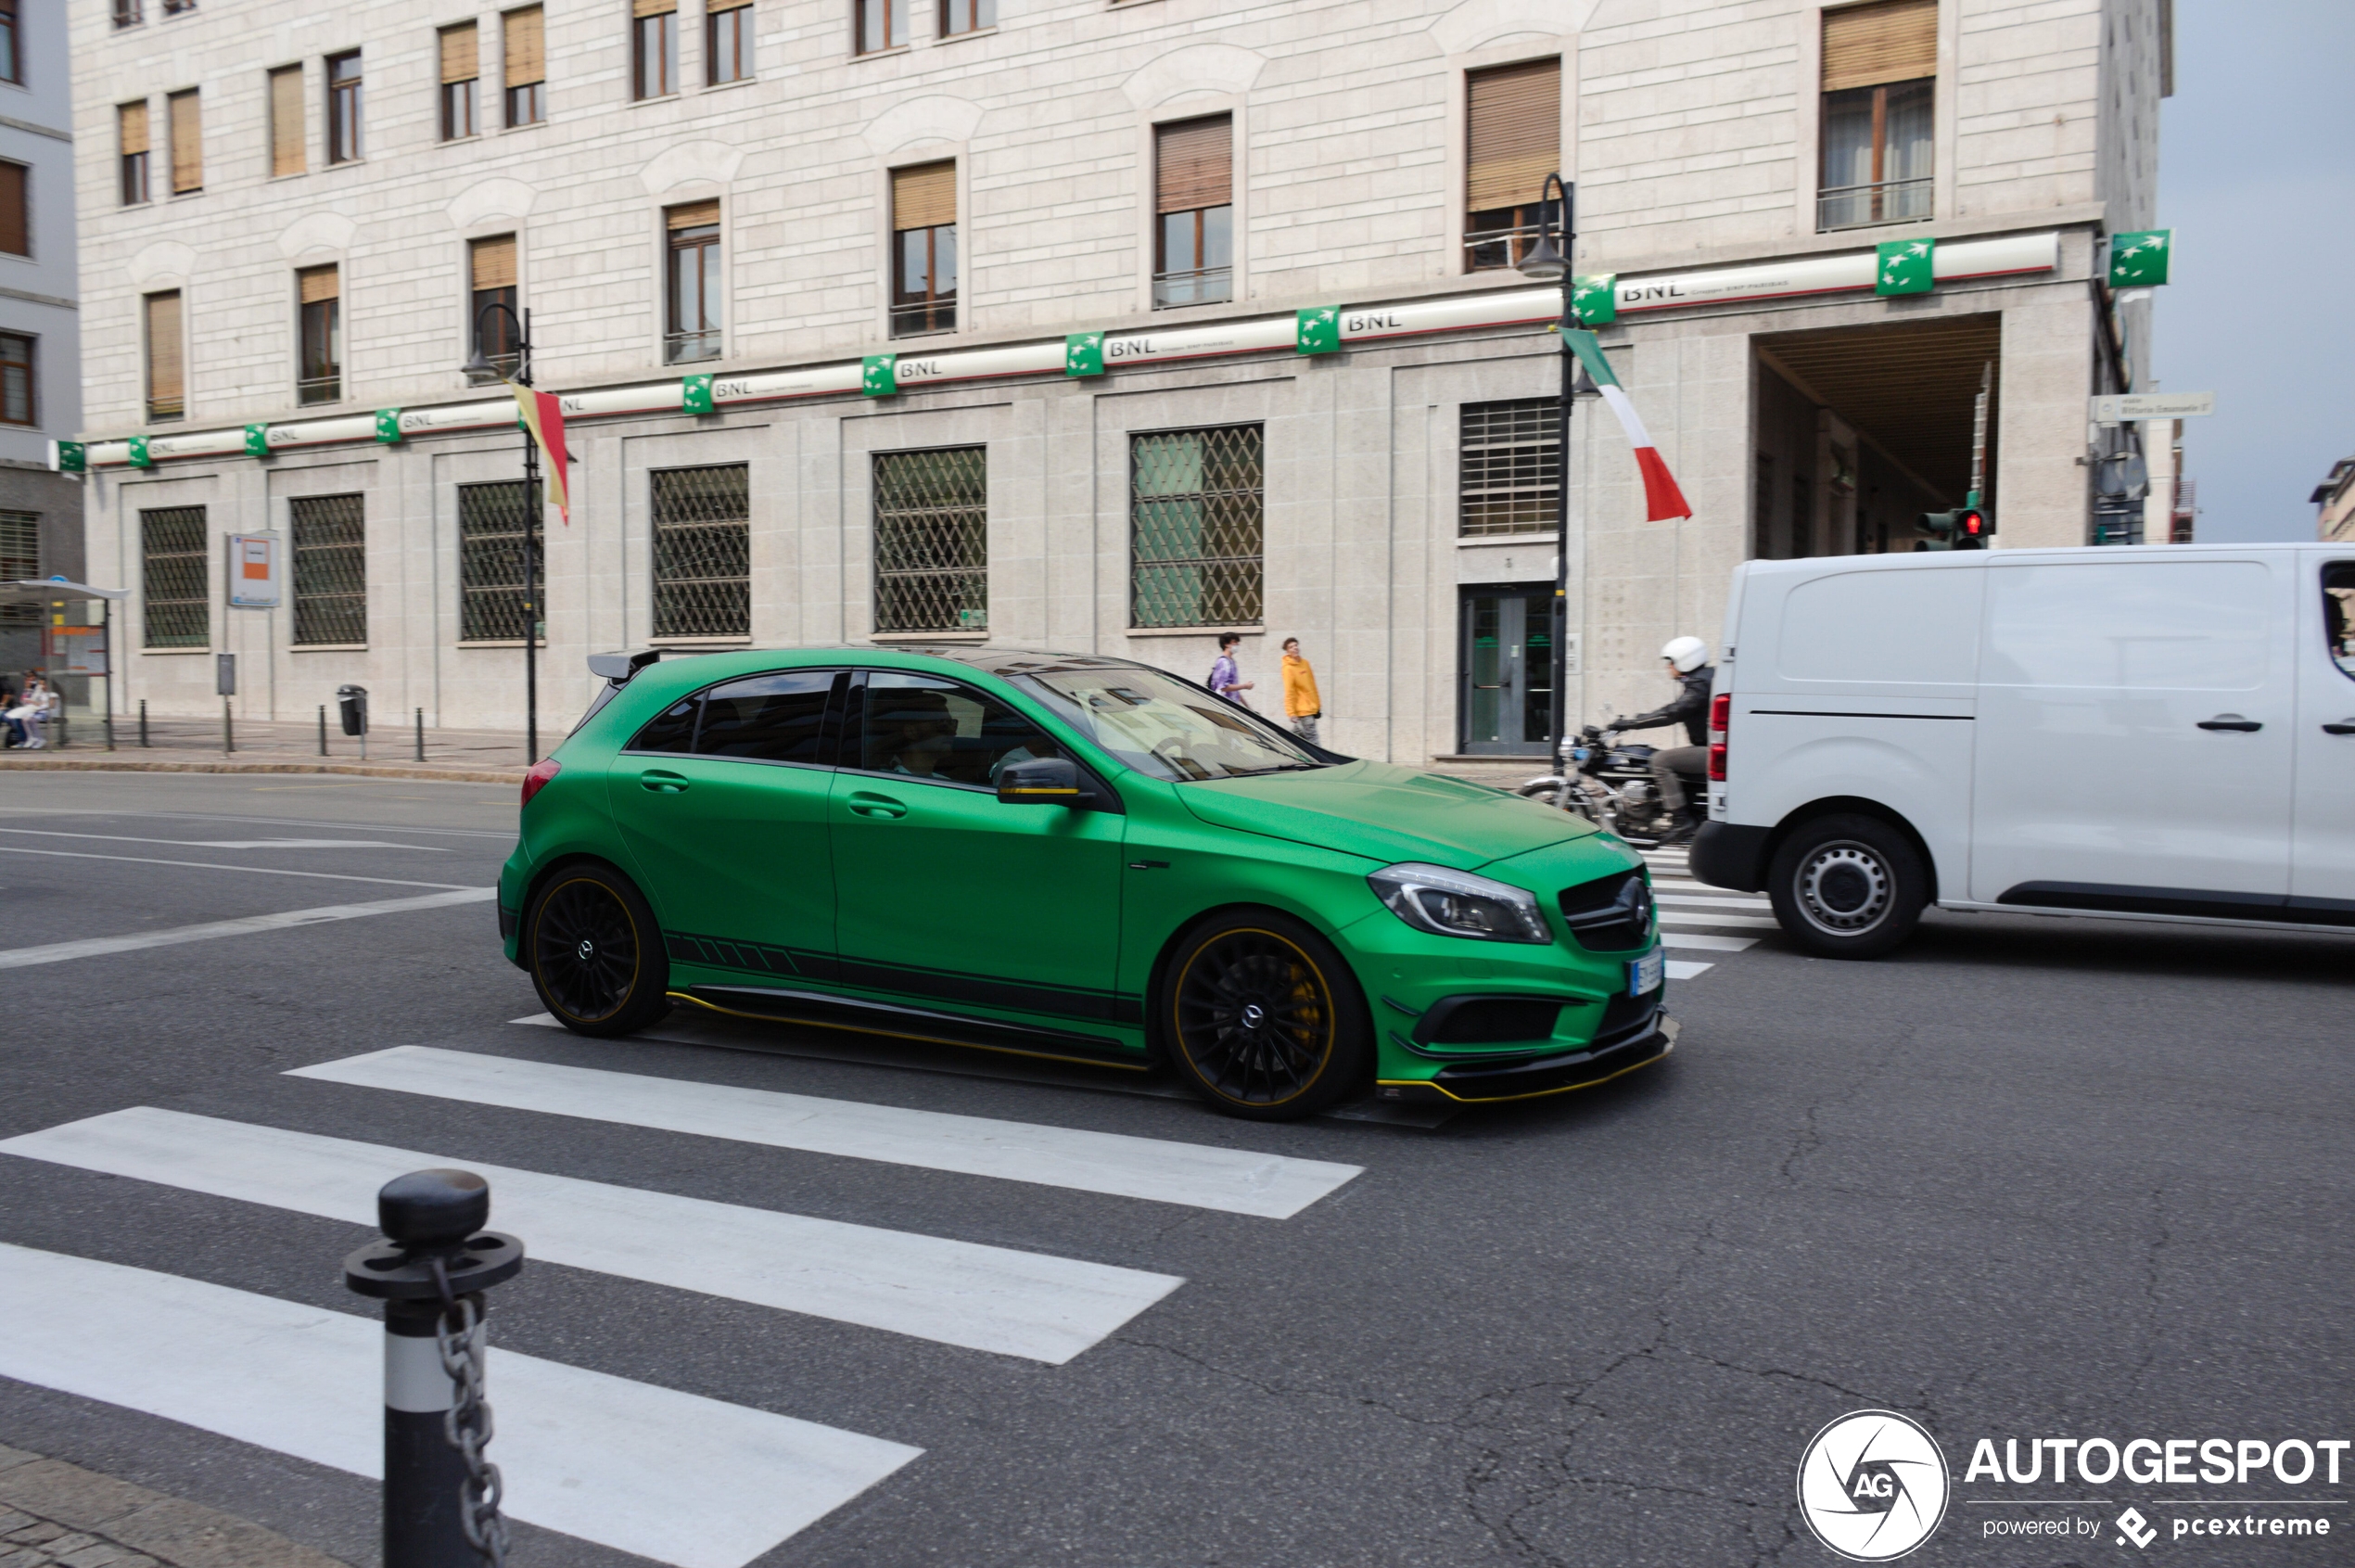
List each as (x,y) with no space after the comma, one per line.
(76,639)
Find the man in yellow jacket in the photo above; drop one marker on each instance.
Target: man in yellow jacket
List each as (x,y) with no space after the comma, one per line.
(1300,703)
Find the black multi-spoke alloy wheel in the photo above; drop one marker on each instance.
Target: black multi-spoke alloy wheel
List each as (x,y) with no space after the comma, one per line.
(1264,1018)
(595,952)
(1848,887)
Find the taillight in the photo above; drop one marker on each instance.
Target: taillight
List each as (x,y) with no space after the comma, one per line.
(1720,708)
(536,780)
(1720,721)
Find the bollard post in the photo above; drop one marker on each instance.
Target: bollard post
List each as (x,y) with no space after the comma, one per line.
(421,734)
(228,732)
(440,1493)
(323,729)
(143,722)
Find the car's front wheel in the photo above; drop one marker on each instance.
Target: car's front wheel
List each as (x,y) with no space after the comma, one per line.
(1848,887)
(1263,1018)
(595,952)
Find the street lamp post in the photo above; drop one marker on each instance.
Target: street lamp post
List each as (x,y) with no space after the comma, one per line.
(1549,260)
(481,365)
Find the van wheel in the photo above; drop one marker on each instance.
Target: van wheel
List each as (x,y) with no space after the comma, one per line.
(596,954)
(1263,1018)
(1848,887)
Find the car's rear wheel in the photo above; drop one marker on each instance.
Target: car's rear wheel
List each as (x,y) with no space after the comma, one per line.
(1263,1018)
(1848,887)
(595,952)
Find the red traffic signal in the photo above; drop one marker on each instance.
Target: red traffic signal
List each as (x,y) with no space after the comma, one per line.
(1972,524)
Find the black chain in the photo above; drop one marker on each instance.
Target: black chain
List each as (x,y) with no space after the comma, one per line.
(467,1422)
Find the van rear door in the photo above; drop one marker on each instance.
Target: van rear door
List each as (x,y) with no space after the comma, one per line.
(2135,733)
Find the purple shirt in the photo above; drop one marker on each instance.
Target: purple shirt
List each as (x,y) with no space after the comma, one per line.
(1224,678)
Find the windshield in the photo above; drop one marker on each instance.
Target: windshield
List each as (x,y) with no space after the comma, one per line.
(1165,728)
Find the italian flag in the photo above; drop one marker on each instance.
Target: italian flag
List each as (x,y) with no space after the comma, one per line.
(1662,500)
(543,416)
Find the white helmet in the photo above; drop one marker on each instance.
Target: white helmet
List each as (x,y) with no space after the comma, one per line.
(1688,654)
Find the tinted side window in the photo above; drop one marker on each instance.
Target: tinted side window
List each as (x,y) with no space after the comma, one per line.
(934,729)
(2338,614)
(780,716)
(671,730)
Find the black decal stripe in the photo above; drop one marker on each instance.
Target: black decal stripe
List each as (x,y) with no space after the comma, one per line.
(940,984)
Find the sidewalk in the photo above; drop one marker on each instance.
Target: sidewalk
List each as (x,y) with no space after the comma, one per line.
(184,746)
(52,1512)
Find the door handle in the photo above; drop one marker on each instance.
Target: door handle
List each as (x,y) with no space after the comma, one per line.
(2230,722)
(866,803)
(2344,727)
(662,783)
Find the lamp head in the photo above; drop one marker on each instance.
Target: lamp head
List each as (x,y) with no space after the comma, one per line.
(478,363)
(1544,263)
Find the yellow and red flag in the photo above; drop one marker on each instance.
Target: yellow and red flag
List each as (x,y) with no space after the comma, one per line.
(543,417)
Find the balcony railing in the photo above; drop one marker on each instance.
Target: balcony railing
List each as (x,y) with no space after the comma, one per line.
(320,388)
(1494,249)
(129,13)
(686,348)
(919,318)
(1204,286)
(1885,201)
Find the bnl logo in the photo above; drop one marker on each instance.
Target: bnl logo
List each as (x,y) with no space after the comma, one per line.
(2137,1529)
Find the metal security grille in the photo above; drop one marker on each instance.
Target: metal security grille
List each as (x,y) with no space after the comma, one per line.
(490,547)
(330,570)
(1197,524)
(932,541)
(703,552)
(1509,479)
(171,578)
(20,560)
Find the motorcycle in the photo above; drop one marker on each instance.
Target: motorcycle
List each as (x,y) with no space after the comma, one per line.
(1610,786)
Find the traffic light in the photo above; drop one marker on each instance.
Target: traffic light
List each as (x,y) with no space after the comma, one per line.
(1964,528)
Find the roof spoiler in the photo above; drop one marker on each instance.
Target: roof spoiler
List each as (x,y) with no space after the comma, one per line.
(619,668)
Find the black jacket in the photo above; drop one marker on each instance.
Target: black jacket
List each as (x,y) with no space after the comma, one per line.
(1690,708)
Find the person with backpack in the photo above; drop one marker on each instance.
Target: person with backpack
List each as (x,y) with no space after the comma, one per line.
(1225,676)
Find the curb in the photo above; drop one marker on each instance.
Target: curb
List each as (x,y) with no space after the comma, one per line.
(116,763)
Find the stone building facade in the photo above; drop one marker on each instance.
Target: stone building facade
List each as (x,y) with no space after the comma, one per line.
(827,287)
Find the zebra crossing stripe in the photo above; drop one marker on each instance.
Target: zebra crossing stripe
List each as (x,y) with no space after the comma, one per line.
(670,1475)
(1692,901)
(1683,969)
(1026,1304)
(1707,944)
(1725,921)
(1235,1180)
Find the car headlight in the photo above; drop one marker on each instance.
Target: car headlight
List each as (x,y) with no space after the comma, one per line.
(1454,903)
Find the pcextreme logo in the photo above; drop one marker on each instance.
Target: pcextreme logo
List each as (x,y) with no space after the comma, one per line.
(1872,1485)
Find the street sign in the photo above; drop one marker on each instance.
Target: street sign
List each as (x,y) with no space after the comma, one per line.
(225,675)
(2118,407)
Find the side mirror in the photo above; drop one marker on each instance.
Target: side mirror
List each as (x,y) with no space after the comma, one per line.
(1040,781)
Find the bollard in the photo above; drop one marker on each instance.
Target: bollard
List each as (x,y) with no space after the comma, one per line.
(323,729)
(143,722)
(228,732)
(421,734)
(440,1493)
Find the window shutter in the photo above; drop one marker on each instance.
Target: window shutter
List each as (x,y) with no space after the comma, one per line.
(16,224)
(286,121)
(1194,164)
(526,47)
(188,143)
(692,215)
(653,7)
(130,121)
(716,6)
(1867,45)
(1513,133)
(317,284)
(460,59)
(163,348)
(924,197)
(494,262)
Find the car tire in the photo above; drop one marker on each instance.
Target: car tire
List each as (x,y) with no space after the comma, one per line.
(595,952)
(1848,887)
(1264,1019)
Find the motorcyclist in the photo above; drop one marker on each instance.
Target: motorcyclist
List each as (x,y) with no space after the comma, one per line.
(1688,666)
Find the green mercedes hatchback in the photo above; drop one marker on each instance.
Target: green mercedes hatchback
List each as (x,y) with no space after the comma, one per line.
(1073,858)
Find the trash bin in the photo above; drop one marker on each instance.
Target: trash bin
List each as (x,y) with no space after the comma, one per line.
(353,700)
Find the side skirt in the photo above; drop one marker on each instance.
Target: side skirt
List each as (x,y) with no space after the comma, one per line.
(825,1011)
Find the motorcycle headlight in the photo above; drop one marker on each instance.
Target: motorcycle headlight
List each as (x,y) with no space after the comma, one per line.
(1454,903)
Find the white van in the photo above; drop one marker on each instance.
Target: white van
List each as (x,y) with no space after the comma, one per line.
(2156,733)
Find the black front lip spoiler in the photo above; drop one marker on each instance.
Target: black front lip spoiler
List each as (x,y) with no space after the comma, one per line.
(1530,1079)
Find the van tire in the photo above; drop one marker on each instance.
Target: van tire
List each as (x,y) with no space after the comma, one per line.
(1847,885)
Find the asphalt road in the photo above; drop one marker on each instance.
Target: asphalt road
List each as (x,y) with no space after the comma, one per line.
(2027,1178)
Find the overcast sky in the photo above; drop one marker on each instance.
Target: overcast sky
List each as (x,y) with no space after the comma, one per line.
(2257,178)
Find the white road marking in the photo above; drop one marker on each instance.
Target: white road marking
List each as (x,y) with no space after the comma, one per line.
(668,1475)
(250,822)
(1730,921)
(1681,969)
(1707,944)
(979,1297)
(1691,901)
(1235,1180)
(94,947)
(209,865)
(235,843)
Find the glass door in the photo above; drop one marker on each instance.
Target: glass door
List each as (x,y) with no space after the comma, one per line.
(1507,670)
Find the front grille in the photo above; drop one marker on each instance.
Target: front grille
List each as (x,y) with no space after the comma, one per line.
(1498,1021)
(1610,914)
(1625,1017)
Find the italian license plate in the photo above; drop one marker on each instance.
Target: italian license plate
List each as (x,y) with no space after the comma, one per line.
(1645,974)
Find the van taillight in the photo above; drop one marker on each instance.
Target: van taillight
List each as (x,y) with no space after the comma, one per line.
(536,780)
(1720,719)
